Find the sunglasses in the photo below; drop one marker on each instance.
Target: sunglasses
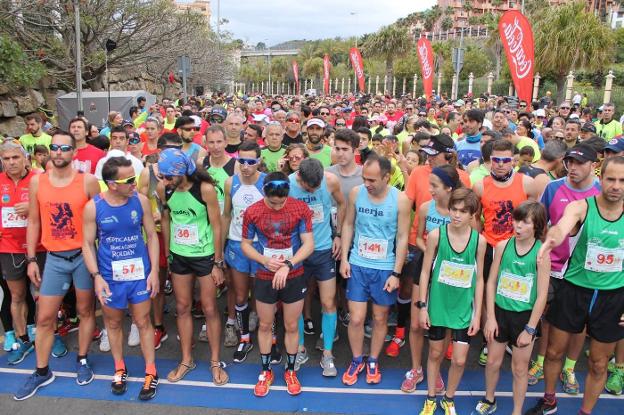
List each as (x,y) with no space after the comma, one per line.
(63,147)
(340,124)
(248,162)
(189,129)
(409,109)
(277,184)
(293,119)
(501,160)
(134,140)
(560,137)
(324,113)
(129,180)
(295,158)
(522,106)
(564,108)
(218,120)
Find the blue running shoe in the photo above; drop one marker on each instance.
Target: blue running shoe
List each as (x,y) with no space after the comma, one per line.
(84,372)
(32,385)
(9,339)
(20,350)
(58,348)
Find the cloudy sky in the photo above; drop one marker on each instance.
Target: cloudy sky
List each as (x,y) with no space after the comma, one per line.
(275,21)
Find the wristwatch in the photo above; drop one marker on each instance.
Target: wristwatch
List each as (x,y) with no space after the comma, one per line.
(421,304)
(30,259)
(95,274)
(289,264)
(395,274)
(530,330)
(220,264)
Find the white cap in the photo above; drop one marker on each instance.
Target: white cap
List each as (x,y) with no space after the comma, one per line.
(539,112)
(315,121)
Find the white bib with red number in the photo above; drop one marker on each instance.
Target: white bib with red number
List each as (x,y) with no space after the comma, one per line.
(128,270)
(601,259)
(279,254)
(372,248)
(10,218)
(185,234)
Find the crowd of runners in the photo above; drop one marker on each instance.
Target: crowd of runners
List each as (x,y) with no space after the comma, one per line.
(482,221)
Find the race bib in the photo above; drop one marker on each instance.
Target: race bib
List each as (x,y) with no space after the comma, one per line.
(515,287)
(318,216)
(237,216)
(371,248)
(10,219)
(456,275)
(601,259)
(185,234)
(279,254)
(128,270)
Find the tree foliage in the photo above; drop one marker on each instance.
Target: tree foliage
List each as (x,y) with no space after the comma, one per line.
(17,68)
(389,43)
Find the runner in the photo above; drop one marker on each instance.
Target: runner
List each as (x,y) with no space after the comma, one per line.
(274,150)
(592,294)
(456,294)
(153,129)
(56,201)
(35,135)
(87,156)
(193,243)
(14,183)
(516,297)
(374,248)
(241,191)
(283,226)
(119,147)
(185,127)
(314,144)
(319,190)
(123,266)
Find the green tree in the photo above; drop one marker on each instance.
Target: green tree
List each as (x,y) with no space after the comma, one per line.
(389,43)
(569,37)
(313,68)
(279,68)
(17,69)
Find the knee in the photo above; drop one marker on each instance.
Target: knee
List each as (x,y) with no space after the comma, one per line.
(46,321)
(265,326)
(329,305)
(143,322)
(18,297)
(519,369)
(291,326)
(459,361)
(113,324)
(357,321)
(380,319)
(210,309)
(598,367)
(183,308)
(415,327)
(85,311)
(435,354)
(554,354)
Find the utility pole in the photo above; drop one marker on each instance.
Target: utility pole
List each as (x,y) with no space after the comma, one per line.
(78,57)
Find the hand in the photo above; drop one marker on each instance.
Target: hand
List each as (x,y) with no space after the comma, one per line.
(425,323)
(102,290)
(392,283)
(474,326)
(622,320)
(402,162)
(33,273)
(490,330)
(157,215)
(345,269)
(217,275)
(545,249)
(280,277)
(273,264)
(280,163)
(153,284)
(524,339)
(21,209)
(336,247)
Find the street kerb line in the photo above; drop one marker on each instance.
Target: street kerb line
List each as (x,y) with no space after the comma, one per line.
(315,389)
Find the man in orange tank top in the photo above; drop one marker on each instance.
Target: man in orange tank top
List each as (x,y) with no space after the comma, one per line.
(500,194)
(56,202)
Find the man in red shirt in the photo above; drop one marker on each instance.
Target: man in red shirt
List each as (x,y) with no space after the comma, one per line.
(86,156)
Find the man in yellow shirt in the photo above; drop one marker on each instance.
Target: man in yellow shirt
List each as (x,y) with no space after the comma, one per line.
(34,134)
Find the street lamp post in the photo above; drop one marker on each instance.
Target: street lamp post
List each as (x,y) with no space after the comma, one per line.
(78,57)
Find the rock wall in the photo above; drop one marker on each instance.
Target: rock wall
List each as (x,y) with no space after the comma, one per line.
(14,106)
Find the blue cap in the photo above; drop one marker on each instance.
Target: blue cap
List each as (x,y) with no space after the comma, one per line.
(616,145)
(173,162)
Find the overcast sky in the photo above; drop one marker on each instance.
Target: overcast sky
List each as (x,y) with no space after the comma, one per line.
(276,21)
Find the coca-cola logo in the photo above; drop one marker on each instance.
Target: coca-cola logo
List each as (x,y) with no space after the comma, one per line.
(514,37)
(424,59)
(356,64)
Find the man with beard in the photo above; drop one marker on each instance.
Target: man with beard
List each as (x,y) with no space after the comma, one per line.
(35,135)
(185,127)
(318,150)
(119,147)
(607,127)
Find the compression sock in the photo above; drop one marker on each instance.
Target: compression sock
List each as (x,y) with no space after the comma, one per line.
(328,328)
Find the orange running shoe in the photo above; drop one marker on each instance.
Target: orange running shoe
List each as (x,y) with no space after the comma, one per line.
(350,377)
(265,380)
(373,375)
(292,383)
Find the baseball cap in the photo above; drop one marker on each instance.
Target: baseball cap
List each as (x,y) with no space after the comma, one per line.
(260,118)
(197,121)
(218,111)
(459,103)
(615,145)
(127,122)
(315,121)
(582,153)
(440,143)
(539,112)
(588,127)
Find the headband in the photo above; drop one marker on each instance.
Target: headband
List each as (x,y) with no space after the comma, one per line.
(444,177)
(174,162)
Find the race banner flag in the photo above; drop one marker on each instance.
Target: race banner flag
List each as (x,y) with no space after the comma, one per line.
(358,67)
(517,37)
(425,55)
(295,67)
(326,67)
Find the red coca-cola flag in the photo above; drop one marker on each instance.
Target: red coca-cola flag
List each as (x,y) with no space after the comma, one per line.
(517,37)
(358,67)
(326,67)
(295,67)
(425,56)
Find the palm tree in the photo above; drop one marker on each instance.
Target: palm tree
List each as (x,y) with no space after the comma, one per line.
(569,37)
(389,42)
(490,21)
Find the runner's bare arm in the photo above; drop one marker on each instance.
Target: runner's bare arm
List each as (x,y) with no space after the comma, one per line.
(573,215)
(226,216)
(333,184)
(403,227)
(33,229)
(143,185)
(422,217)
(165,218)
(425,273)
(92,186)
(89,231)
(531,188)
(152,245)
(478,300)
(347,225)
(490,289)
(306,248)
(543,282)
(209,195)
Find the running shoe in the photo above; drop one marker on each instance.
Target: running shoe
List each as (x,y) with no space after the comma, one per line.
(276,354)
(134,338)
(368,329)
(542,408)
(119,385)
(32,385)
(197,310)
(31,329)
(448,406)
(329,367)
(69,325)
(58,347)
(241,352)
(253,321)
(412,378)
(448,355)
(104,342)
(350,377)
(302,357)
(168,287)
(293,387)
(536,373)
(84,373)
(440,388)
(508,349)
(148,391)
(429,407)
(484,408)
(398,341)
(19,351)
(615,382)
(265,380)
(203,335)
(97,333)
(344,316)
(308,327)
(9,340)
(569,382)
(160,335)
(373,374)
(483,356)
(231,338)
